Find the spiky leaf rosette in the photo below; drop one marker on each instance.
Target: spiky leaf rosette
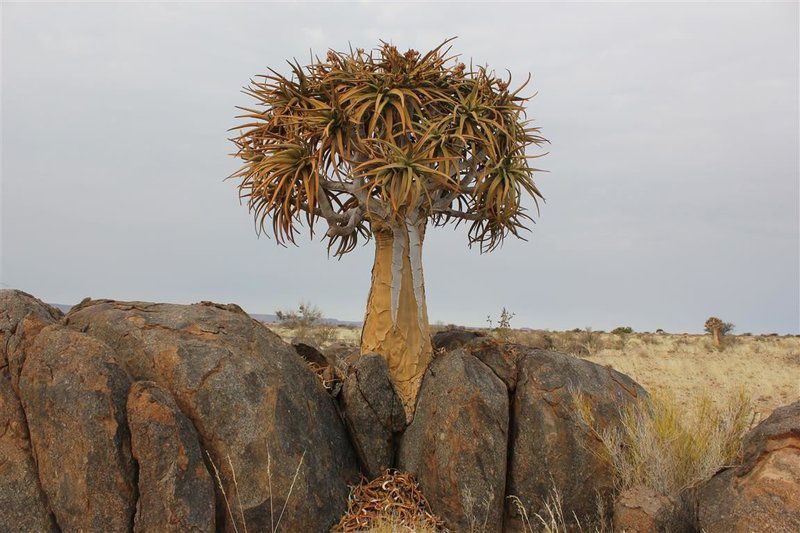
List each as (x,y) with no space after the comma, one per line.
(363,138)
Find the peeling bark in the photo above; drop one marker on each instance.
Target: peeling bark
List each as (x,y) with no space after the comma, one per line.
(396,321)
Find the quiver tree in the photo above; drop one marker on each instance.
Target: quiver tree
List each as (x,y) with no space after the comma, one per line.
(718,328)
(380,145)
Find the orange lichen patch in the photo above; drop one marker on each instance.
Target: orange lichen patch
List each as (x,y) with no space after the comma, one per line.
(393,496)
(200,331)
(136,320)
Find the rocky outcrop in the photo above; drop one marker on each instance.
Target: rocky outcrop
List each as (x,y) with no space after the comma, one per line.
(501,357)
(551,444)
(21,318)
(325,369)
(74,392)
(456,444)
(263,416)
(643,510)
(450,339)
(311,354)
(763,493)
(23,506)
(214,390)
(176,492)
(373,412)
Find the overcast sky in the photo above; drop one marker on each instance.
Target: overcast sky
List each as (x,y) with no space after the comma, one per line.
(672,191)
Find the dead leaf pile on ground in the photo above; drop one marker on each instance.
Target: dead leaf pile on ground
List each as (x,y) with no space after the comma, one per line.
(393,497)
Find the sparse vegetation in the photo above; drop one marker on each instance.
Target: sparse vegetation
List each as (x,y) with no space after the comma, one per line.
(275,522)
(306,325)
(686,364)
(553,518)
(503,329)
(669,448)
(717,328)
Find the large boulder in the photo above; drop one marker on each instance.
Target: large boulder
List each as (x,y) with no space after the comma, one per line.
(73,393)
(264,418)
(456,445)
(450,339)
(176,491)
(23,506)
(21,318)
(501,357)
(559,403)
(373,412)
(763,493)
(22,503)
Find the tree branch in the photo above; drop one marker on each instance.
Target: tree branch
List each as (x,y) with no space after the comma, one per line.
(457,214)
(354,217)
(448,197)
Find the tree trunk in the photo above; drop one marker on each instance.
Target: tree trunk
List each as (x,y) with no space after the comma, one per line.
(396,321)
(717,337)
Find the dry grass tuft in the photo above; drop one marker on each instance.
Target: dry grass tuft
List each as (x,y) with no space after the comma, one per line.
(553,519)
(670,448)
(274,526)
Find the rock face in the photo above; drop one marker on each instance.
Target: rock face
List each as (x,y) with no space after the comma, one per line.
(176,492)
(643,510)
(373,412)
(551,445)
(21,318)
(114,417)
(259,411)
(310,354)
(74,394)
(763,493)
(456,444)
(23,506)
(502,358)
(451,339)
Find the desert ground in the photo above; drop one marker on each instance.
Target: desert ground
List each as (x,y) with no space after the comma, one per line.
(766,368)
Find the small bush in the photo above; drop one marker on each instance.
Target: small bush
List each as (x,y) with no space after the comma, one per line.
(503,328)
(306,324)
(670,448)
(622,330)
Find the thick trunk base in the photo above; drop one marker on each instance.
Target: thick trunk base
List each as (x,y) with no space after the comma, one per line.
(396,321)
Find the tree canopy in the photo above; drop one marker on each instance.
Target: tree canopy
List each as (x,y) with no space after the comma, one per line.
(365,138)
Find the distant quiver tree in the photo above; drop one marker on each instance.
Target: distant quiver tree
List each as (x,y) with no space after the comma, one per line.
(381,145)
